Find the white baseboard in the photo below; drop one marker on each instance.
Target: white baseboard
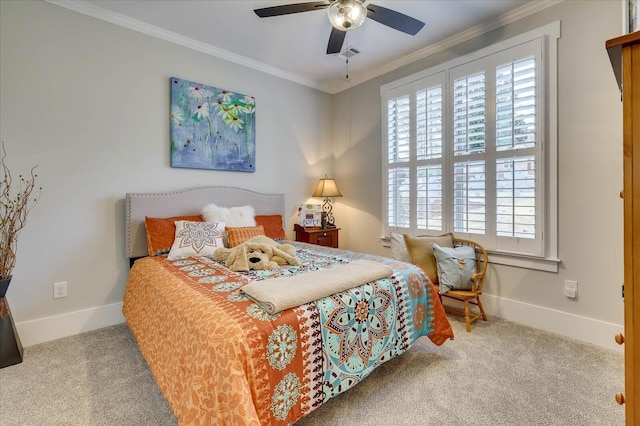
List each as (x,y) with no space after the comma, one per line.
(577,327)
(68,324)
(588,330)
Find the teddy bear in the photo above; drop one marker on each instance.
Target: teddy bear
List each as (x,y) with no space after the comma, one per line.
(257,253)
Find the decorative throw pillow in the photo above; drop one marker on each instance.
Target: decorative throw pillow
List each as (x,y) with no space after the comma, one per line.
(162,231)
(240,235)
(232,216)
(399,247)
(213,213)
(421,252)
(241,216)
(196,239)
(272,225)
(455,267)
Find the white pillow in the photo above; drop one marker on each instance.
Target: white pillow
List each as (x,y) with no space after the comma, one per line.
(241,216)
(233,217)
(213,213)
(399,247)
(196,239)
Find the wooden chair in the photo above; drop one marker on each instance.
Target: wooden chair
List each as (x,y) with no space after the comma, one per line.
(470,296)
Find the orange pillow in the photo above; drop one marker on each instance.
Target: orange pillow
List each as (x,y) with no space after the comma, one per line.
(241,234)
(162,231)
(272,226)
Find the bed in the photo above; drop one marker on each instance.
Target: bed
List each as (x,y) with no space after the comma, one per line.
(219,358)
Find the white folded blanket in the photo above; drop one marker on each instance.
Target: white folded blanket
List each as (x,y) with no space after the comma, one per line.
(277,294)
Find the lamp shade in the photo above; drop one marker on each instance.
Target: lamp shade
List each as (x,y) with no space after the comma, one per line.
(346,15)
(327,188)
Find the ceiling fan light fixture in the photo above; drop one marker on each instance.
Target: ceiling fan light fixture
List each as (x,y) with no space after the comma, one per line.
(346,15)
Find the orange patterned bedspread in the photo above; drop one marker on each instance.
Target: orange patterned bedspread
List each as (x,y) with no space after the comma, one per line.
(220,359)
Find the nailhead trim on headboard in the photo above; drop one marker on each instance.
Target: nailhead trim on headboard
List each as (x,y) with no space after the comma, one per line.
(187,202)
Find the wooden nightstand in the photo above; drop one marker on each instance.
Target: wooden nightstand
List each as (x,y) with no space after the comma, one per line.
(322,237)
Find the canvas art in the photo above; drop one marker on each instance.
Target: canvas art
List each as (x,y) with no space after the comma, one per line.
(211,128)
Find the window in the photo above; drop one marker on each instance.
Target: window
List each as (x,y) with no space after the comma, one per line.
(471,149)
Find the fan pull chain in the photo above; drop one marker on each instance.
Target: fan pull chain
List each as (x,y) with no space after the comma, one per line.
(347,55)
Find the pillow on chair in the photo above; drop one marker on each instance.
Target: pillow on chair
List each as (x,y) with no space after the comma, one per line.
(421,252)
(399,247)
(455,267)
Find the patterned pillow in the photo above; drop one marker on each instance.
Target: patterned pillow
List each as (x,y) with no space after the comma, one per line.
(162,231)
(196,239)
(240,235)
(272,226)
(455,267)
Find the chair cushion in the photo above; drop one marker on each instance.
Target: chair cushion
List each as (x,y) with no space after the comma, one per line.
(421,252)
(455,267)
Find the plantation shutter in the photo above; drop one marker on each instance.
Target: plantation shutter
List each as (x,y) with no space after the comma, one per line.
(471,148)
(429,155)
(518,199)
(398,155)
(414,131)
(470,142)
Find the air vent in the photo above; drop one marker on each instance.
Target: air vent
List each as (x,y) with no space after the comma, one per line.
(349,53)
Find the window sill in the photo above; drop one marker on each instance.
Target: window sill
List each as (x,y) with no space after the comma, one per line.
(522,261)
(510,259)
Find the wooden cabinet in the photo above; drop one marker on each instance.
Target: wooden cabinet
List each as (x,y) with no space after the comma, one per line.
(624,53)
(322,237)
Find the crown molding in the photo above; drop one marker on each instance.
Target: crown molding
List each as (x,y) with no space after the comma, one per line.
(331,88)
(512,16)
(157,32)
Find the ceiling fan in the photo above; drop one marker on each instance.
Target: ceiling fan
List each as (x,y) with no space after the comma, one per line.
(347,15)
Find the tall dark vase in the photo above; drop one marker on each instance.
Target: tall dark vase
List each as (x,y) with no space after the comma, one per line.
(10,346)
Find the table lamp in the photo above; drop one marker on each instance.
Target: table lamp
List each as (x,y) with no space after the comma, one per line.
(327,188)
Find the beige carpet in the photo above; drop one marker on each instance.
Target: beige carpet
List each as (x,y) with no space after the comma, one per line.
(499,374)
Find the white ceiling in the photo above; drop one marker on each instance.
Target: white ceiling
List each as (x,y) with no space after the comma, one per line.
(294,46)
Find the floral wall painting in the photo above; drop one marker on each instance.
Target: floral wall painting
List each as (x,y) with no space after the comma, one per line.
(211,128)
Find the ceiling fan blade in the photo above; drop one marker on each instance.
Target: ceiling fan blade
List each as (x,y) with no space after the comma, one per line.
(290,8)
(336,39)
(393,19)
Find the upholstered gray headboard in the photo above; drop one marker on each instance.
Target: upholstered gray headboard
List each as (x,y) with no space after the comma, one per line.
(189,202)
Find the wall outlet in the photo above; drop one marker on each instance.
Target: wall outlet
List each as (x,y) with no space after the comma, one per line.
(60,290)
(571,289)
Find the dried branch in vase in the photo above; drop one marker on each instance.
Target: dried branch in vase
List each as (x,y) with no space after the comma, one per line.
(15,204)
